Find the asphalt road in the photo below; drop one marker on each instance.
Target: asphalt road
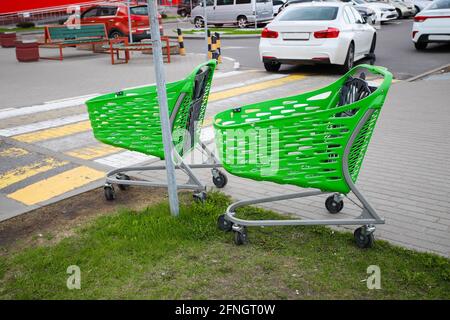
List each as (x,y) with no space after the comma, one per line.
(394,50)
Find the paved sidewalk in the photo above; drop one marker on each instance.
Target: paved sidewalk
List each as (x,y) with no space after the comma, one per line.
(83,73)
(405,175)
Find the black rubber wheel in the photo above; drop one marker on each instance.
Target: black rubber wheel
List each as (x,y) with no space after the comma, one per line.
(272,66)
(240,238)
(123,187)
(399,13)
(242,22)
(183,13)
(420,45)
(223,224)
(198,22)
(220,181)
(373,45)
(349,60)
(363,240)
(115,34)
(200,196)
(333,206)
(110,195)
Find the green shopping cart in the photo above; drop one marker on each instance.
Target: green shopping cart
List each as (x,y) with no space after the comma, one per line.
(314,140)
(130,119)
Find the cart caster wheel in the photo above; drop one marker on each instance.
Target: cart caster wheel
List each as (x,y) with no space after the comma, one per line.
(110,195)
(200,196)
(240,237)
(220,181)
(224,224)
(333,206)
(362,239)
(123,187)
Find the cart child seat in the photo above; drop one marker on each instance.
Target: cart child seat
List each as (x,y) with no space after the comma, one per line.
(314,140)
(130,119)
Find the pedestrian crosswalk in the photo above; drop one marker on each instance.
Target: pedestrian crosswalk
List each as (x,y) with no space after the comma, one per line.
(44,160)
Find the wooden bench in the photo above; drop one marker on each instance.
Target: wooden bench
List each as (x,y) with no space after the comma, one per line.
(122,44)
(63,36)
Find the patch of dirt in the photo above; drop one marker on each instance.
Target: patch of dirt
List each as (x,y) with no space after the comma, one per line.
(50,224)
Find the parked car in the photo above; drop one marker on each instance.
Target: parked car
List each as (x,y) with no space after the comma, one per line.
(317,32)
(421,4)
(384,11)
(432,24)
(403,10)
(185,7)
(115,18)
(277,5)
(289,2)
(237,12)
(368,12)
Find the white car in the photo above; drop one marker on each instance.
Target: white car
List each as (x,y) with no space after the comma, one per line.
(421,4)
(317,32)
(432,24)
(385,12)
(277,5)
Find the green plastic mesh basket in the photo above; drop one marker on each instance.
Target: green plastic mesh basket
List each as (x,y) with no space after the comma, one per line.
(300,140)
(130,119)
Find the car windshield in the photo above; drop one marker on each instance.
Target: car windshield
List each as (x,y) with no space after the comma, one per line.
(309,14)
(439,4)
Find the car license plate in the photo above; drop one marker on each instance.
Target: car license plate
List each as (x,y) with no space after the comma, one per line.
(296,36)
(439,37)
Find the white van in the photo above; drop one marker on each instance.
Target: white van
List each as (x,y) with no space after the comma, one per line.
(238,12)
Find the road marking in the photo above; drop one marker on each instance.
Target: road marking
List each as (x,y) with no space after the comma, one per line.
(48,106)
(13,152)
(54,132)
(56,185)
(254,87)
(21,173)
(124,159)
(247,82)
(43,125)
(92,152)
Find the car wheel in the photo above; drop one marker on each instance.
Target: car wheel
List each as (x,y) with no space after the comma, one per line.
(114,34)
(420,45)
(349,59)
(242,22)
(399,13)
(272,66)
(183,13)
(198,22)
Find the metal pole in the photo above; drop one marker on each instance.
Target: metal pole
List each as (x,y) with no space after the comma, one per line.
(205,21)
(163,107)
(129,21)
(256,14)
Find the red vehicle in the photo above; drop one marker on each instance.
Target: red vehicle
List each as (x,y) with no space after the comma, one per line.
(115,18)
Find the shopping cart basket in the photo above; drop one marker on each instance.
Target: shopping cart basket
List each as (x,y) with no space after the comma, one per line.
(314,140)
(130,119)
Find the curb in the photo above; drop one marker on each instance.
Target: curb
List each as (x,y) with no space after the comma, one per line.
(427,73)
(202,37)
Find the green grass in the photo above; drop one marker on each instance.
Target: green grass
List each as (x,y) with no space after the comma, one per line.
(152,255)
(21,29)
(231,31)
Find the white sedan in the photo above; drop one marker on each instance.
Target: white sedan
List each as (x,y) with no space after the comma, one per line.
(317,32)
(432,24)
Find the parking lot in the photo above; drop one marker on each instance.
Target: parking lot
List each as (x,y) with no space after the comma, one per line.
(49,153)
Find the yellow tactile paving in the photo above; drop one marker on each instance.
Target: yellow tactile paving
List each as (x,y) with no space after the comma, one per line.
(13,152)
(93,152)
(53,133)
(56,185)
(21,173)
(221,95)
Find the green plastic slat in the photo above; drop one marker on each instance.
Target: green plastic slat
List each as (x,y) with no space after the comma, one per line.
(61,33)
